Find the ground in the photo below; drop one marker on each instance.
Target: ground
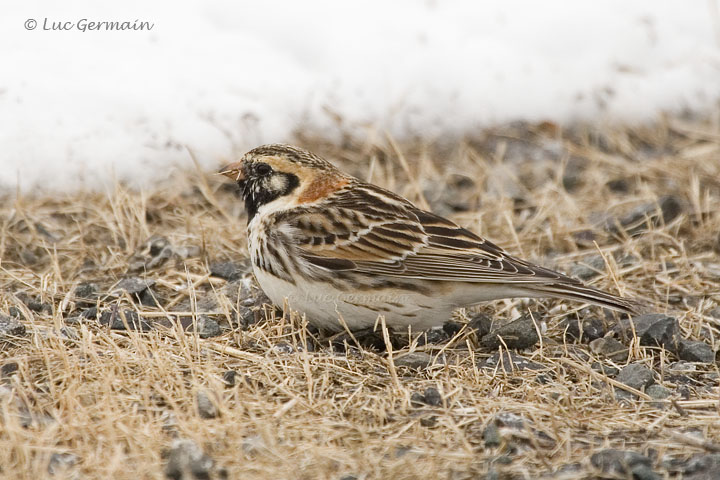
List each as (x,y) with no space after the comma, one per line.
(133,343)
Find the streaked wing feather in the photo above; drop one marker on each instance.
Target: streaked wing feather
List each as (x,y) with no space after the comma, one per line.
(373,231)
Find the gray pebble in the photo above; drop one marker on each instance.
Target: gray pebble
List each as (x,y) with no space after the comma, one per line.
(205,405)
(703,467)
(10,327)
(61,462)
(207,327)
(134,284)
(658,392)
(188,461)
(481,324)
(607,370)
(619,462)
(229,271)
(587,329)
(696,351)
(520,333)
(230,378)
(491,436)
(114,319)
(636,376)
(610,348)
(283,348)
(588,268)
(414,360)
(433,397)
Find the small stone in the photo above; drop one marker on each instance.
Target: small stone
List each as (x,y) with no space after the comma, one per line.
(16,313)
(10,327)
(671,208)
(509,362)
(417,399)
(451,328)
(639,219)
(188,461)
(702,467)
(206,327)
(588,268)
(230,378)
(134,285)
(414,360)
(619,185)
(432,336)
(86,293)
(61,462)
(586,329)
(114,319)
(429,422)
(9,369)
(491,436)
(663,332)
(433,397)
(206,407)
(254,445)
(481,324)
(71,333)
(653,330)
(157,244)
(619,462)
(636,376)
(607,370)
(39,307)
(520,333)
(610,348)
(695,351)
(715,312)
(229,271)
(681,366)
(585,238)
(658,392)
(283,348)
(158,260)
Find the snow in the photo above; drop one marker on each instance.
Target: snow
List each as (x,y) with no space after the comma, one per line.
(78,109)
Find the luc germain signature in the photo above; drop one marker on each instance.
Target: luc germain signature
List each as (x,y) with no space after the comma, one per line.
(86,25)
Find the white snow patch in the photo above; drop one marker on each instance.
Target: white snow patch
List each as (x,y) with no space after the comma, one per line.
(77,108)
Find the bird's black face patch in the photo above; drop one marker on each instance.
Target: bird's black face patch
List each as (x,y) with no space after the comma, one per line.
(263,185)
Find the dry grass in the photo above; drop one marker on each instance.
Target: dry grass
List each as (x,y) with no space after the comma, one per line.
(117,399)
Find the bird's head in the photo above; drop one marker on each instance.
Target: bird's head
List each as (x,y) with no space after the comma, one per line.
(284,176)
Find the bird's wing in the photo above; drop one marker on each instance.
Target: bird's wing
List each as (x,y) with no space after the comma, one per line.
(373,231)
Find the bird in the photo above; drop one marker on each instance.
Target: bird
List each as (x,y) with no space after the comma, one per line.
(345,252)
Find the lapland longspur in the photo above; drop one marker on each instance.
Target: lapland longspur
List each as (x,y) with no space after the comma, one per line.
(337,247)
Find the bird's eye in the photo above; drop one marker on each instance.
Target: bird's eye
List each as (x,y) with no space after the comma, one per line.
(263,168)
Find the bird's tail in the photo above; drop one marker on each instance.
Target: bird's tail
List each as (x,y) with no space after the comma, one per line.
(583,293)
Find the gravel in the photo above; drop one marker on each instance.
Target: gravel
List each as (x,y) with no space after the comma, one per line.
(636,376)
(520,333)
(695,351)
(585,330)
(414,360)
(114,319)
(610,348)
(623,462)
(205,405)
(10,327)
(60,462)
(188,461)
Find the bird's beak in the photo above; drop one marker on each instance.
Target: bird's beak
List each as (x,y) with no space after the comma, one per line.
(233,171)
